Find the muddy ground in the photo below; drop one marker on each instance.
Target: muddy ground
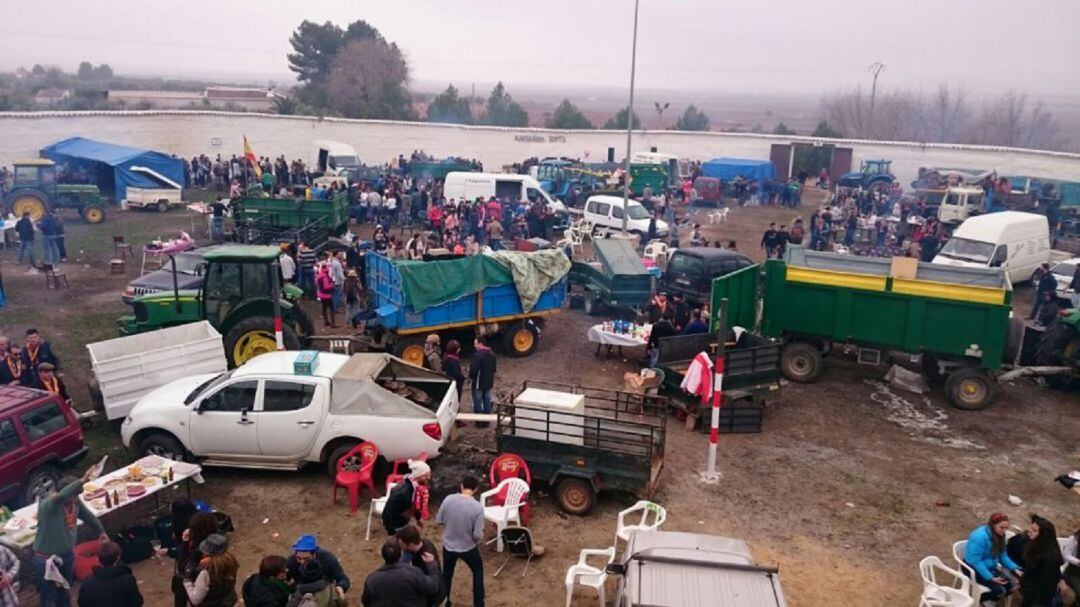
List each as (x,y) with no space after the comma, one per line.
(850,483)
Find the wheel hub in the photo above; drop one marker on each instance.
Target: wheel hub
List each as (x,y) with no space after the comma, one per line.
(252,344)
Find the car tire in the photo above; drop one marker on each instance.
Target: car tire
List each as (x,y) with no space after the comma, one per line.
(162,206)
(336,454)
(40,483)
(254,336)
(1057,342)
(96,398)
(162,445)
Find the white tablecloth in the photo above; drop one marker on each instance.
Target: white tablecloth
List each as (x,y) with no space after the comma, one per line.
(23,537)
(597,334)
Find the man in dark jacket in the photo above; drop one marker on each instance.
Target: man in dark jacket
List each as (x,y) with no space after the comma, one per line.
(664,328)
(482,377)
(113,584)
(25,229)
(681,311)
(268,587)
(37,351)
(398,584)
(1044,283)
(306,549)
(413,549)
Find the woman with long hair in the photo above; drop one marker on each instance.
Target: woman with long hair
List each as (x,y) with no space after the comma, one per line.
(985,554)
(215,583)
(198,527)
(451,365)
(1071,554)
(1042,565)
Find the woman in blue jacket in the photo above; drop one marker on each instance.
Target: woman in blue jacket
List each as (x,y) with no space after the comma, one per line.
(985,553)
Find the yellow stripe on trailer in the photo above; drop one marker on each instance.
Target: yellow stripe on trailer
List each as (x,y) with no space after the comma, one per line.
(865,282)
(942,290)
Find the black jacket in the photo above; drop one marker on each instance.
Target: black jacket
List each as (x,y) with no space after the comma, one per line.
(1040,581)
(401,585)
(664,328)
(451,366)
(110,586)
(25,228)
(331,568)
(482,369)
(259,592)
(45,354)
(398,508)
(417,560)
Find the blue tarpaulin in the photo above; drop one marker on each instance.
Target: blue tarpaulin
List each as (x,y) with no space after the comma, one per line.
(730,168)
(125,162)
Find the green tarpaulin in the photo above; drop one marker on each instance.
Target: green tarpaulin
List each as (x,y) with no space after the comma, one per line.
(431,283)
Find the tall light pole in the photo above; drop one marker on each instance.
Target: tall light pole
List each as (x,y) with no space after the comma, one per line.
(629,124)
(875,68)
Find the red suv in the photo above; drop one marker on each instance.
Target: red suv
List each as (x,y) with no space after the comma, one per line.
(39,437)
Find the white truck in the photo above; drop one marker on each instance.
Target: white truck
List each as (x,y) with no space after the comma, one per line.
(330,157)
(264,414)
(961,202)
(167,194)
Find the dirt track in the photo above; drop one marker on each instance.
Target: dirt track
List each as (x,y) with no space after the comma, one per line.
(841,489)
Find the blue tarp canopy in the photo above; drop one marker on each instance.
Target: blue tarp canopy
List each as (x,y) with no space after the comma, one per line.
(131,167)
(730,168)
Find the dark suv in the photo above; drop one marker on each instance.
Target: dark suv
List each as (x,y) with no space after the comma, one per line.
(690,271)
(40,436)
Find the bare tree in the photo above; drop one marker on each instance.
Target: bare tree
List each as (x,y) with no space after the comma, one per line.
(945,115)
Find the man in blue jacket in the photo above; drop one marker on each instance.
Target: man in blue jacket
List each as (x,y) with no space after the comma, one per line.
(985,554)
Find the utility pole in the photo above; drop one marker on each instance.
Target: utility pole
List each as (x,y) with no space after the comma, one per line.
(629,124)
(875,68)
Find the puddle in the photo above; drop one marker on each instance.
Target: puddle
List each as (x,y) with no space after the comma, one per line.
(921,419)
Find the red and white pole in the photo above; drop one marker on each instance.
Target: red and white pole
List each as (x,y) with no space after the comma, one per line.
(275,295)
(711,475)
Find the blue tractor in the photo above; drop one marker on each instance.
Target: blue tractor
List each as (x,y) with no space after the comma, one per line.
(872,175)
(567,180)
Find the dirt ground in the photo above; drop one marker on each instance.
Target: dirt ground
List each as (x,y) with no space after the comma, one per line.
(850,483)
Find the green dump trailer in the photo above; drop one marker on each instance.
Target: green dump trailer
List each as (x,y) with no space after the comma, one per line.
(267,220)
(957,319)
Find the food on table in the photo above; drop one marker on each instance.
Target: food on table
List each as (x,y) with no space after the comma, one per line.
(135,490)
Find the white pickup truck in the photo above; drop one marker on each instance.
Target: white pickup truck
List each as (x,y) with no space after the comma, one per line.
(264,415)
(168,193)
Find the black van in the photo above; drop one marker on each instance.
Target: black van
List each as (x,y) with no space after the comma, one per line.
(690,271)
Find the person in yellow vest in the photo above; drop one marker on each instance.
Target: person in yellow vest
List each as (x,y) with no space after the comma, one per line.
(48,380)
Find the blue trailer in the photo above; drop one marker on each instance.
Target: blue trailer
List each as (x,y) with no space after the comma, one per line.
(413,299)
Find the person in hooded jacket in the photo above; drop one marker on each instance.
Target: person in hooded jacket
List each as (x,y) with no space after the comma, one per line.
(314,589)
(112,584)
(268,587)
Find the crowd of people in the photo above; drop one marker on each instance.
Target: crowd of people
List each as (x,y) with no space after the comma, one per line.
(53,245)
(33,364)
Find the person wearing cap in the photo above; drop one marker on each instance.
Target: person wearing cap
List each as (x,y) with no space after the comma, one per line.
(307,549)
(313,588)
(112,584)
(215,583)
(47,380)
(398,583)
(432,353)
(408,499)
(985,553)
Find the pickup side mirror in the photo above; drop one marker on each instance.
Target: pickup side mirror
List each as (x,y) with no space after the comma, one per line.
(615,569)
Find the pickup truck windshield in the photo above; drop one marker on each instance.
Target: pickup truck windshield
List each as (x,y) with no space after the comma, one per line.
(213,381)
(968,250)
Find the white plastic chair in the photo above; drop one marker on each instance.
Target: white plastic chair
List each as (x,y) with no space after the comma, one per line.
(719,215)
(573,239)
(938,592)
(585,574)
(378,504)
(510,511)
(646,508)
(975,589)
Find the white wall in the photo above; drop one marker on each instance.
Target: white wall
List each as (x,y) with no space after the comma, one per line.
(188,133)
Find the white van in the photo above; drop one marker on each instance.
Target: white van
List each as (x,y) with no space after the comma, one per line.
(506,187)
(329,157)
(1014,241)
(606,213)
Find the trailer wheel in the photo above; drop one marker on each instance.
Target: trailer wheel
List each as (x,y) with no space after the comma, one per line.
(96,398)
(801,362)
(970,389)
(575,495)
(521,339)
(162,206)
(410,350)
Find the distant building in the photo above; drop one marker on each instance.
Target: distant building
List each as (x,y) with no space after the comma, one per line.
(249,98)
(51,97)
(214,97)
(156,99)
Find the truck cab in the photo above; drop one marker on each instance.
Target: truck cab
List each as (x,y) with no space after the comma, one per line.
(959,203)
(330,157)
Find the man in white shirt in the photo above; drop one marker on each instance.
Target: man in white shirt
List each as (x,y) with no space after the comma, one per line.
(288,266)
(337,274)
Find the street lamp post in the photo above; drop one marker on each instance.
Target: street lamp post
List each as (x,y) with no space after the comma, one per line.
(629,124)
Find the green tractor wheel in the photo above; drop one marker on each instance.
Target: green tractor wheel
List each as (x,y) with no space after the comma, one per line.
(93,213)
(1060,346)
(254,336)
(30,201)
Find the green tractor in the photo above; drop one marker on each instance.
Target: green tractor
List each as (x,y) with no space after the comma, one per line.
(36,191)
(237,298)
(1060,346)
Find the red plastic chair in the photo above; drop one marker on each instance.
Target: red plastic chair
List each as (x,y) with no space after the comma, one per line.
(401,468)
(510,465)
(354,470)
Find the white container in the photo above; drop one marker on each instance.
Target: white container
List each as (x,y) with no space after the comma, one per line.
(128,368)
(564,410)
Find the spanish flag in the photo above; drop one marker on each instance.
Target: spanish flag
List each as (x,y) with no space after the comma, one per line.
(252,158)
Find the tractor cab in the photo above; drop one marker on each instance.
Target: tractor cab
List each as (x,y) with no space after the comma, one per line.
(876,167)
(37,189)
(237,298)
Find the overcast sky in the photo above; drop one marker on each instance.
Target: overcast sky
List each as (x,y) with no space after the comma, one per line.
(721,46)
